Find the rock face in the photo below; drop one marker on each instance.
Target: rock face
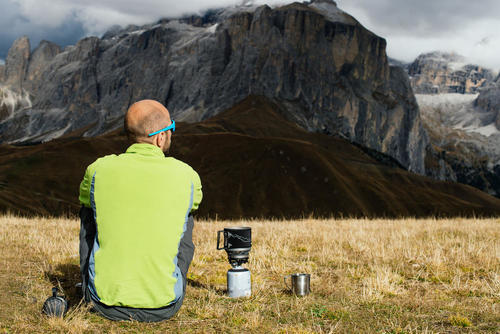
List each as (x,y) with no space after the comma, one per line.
(460,106)
(12,102)
(465,144)
(39,60)
(294,173)
(440,72)
(17,63)
(12,75)
(330,73)
(489,101)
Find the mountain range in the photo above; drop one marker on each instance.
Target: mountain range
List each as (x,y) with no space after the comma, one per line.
(253,163)
(330,72)
(459,105)
(285,111)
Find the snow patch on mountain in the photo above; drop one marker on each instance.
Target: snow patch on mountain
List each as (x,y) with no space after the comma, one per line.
(212,28)
(487,130)
(12,101)
(452,120)
(457,111)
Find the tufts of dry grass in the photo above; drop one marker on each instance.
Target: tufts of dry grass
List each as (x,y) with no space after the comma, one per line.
(382,276)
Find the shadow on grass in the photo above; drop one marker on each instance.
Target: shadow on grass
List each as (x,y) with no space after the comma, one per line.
(65,276)
(197,284)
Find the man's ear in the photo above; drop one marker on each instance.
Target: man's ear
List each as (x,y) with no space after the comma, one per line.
(160,139)
(156,139)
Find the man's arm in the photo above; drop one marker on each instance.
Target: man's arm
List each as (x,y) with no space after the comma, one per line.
(87,236)
(197,193)
(86,183)
(186,248)
(87,227)
(85,188)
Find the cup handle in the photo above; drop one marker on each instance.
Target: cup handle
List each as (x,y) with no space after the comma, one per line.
(284,280)
(218,240)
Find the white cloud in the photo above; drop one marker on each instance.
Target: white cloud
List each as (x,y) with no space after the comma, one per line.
(410,27)
(98,15)
(415,27)
(66,21)
(464,42)
(44,14)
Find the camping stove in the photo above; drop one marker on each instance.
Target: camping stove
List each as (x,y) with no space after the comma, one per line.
(237,244)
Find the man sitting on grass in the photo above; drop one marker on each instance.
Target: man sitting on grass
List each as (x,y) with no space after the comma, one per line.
(136,224)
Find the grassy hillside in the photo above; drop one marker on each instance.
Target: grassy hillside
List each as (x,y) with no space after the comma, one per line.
(253,163)
(368,276)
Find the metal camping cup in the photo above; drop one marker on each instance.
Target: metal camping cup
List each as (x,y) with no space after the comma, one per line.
(301,284)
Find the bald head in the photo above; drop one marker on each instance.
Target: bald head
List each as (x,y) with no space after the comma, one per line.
(143,118)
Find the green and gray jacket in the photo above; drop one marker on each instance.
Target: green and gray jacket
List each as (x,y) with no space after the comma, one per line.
(141,202)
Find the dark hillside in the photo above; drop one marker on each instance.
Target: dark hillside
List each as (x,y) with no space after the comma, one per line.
(253,163)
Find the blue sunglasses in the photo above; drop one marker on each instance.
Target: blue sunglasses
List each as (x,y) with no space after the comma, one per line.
(170,127)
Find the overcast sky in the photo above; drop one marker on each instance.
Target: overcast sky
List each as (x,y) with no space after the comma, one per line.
(411,27)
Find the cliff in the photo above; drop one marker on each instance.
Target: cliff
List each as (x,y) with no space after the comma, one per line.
(459,104)
(16,63)
(489,101)
(441,72)
(328,71)
(464,141)
(252,163)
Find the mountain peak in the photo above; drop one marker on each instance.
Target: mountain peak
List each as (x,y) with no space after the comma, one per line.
(451,60)
(447,72)
(330,10)
(17,62)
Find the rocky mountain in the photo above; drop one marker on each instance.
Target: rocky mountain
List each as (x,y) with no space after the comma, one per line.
(329,73)
(488,101)
(459,105)
(11,101)
(441,72)
(464,141)
(253,163)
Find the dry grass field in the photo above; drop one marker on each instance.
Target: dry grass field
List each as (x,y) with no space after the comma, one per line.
(368,276)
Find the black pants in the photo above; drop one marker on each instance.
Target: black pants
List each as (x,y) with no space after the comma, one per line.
(184,258)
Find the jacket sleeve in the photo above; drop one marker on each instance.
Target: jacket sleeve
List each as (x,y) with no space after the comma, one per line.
(86,183)
(197,193)
(85,188)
